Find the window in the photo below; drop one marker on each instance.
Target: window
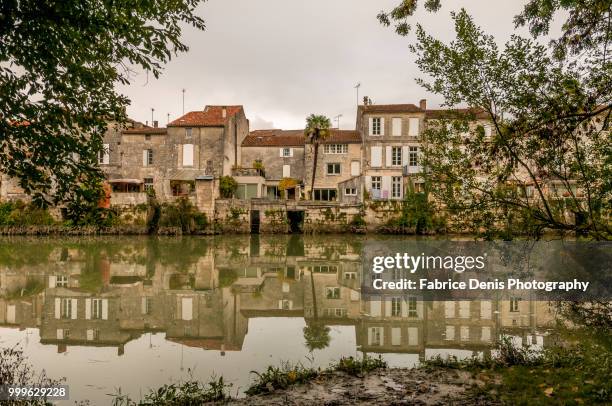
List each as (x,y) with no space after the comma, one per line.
(148,184)
(325,269)
(350,275)
(514,304)
(376,158)
(61,281)
(450,333)
(96,309)
(396,306)
(396,336)
(286,152)
(397,126)
(376,182)
(375,336)
(350,192)
(93,335)
(285,304)
(376,126)
(332,292)
(187,154)
(188,133)
(246,191)
(487,131)
(147,305)
(419,187)
(147,137)
(335,149)
(413,156)
(104,155)
(333,169)
(396,187)
(412,307)
(147,157)
(465,333)
(327,195)
(355,168)
(413,127)
(396,156)
(66,308)
(335,312)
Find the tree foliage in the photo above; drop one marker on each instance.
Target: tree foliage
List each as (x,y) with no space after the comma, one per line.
(317,130)
(59,64)
(547,161)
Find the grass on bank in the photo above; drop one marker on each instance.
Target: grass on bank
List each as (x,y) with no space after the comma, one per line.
(576,374)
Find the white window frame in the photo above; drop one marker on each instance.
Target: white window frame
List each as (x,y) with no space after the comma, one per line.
(332,292)
(376,129)
(147,157)
(413,156)
(286,152)
(396,187)
(188,133)
(334,165)
(396,307)
(104,155)
(376,183)
(412,307)
(335,149)
(396,156)
(350,191)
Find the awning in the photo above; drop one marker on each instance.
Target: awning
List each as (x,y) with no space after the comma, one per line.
(129,181)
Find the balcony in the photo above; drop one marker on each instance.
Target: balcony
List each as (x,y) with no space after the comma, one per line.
(408,170)
(248,172)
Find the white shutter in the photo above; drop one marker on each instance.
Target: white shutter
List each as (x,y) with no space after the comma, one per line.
(144,157)
(465,333)
(449,309)
(52,281)
(355,295)
(11,314)
(450,332)
(87,309)
(291,152)
(405,154)
(413,336)
(376,160)
(286,171)
(187,154)
(382,126)
(59,334)
(355,170)
(280,152)
(485,309)
(464,309)
(187,308)
(486,334)
(404,308)
(370,331)
(386,187)
(397,126)
(382,336)
(105,309)
(388,156)
(375,308)
(90,335)
(58,307)
(143,305)
(396,336)
(371,126)
(413,127)
(106,154)
(388,307)
(368,183)
(74,309)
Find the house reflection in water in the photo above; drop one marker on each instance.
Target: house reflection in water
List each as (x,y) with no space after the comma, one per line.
(202,293)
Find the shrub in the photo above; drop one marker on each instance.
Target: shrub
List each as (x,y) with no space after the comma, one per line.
(275,378)
(359,367)
(227,186)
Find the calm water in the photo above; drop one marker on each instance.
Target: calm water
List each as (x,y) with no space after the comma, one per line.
(137,313)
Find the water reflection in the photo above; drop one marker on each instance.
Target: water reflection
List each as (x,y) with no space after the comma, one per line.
(286,295)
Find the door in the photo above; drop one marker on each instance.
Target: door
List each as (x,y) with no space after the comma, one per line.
(255,222)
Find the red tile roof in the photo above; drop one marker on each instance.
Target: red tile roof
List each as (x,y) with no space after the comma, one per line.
(211,116)
(390,108)
(146,130)
(449,113)
(296,138)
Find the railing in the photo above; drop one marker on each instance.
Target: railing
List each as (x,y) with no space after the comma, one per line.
(248,172)
(411,170)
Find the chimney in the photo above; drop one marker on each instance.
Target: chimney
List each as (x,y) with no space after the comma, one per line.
(423,104)
(224,112)
(155,124)
(147,123)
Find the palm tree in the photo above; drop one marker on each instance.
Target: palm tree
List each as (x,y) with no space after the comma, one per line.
(317,130)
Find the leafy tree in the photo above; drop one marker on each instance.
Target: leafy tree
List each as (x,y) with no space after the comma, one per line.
(227,186)
(548,153)
(317,130)
(316,335)
(59,64)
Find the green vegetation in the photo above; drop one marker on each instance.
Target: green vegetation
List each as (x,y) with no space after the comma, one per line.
(57,98)
(227,187)
(275,378)
(181,215)
(21,214)
(566,375)
(184,394)
(316,131)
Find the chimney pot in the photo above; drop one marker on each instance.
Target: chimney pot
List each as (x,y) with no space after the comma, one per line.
(423,104)
(155,124)
(224,112)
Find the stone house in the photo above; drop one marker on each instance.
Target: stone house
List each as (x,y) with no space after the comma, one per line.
(282,155)
(339,159)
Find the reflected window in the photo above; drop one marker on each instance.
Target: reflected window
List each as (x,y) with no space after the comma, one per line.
(332,292)
(375,336)
(412,307)
(514,304)
(96,309)
(396,306)
(61,281)
(66,308)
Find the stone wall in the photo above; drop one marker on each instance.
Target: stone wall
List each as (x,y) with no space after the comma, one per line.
(232,216)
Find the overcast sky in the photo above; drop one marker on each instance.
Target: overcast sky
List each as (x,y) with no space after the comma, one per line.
(285,59)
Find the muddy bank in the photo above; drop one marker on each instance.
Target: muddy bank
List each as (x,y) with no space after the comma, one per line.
(384,387)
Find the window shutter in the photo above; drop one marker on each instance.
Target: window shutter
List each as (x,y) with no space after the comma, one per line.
(413,128)
(413,336)
(280,152)
(376,160)
(386,187)
(404,308)
(74,309)
(371,126)
(59,333)
(355,168)
(405,153)
(388,307)
(370,331)
(382,126)
(144,157)
(52,281)
(397,126)
(187,308)
(105,309)
(58,307)
(87,309)
(368,183)
(187,154)
(286,171)
(388,155)
(90,335)
(106,154)
(143,305)
(291,152)
(449,309)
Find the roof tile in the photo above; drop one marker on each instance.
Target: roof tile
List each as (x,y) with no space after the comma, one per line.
(211,116)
